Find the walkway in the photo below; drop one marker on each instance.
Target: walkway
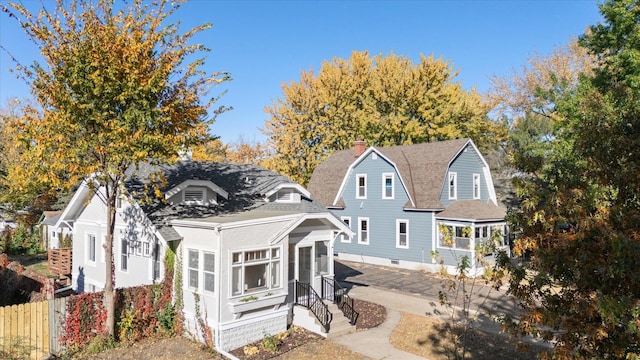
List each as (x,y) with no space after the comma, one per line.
(401,290)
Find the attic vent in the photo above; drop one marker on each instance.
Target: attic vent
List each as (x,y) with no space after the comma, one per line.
(374,156)
(395,261)
(194,195)
(285,195)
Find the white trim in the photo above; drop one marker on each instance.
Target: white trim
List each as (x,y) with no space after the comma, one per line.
(492,191)
(454,175)
(385,176)
(87,235)
(398,222)
(359,160)
(200,183)
(345,238)
(360,220)
(293,186)
(268,261)
(476,184)
(358,177)
(121,253)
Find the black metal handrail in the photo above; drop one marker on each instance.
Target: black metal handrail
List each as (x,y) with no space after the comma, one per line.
(309,298)
(332,291)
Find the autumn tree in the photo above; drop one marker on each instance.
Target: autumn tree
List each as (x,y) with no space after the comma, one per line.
(580,212)
(526,99)
(118,85)
(384,100)
(18,195)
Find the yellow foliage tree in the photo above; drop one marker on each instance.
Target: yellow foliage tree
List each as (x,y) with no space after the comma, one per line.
(118,86)
(385,100)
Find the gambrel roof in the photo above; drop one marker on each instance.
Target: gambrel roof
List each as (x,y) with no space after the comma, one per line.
(421,167)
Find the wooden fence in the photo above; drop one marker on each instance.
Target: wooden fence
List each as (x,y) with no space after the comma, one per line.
(32,329)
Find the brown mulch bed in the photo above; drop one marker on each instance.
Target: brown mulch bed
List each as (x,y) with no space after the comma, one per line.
(300,343)
(431,338)
(371,315)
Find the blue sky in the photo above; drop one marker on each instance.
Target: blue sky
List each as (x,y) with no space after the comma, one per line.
(266,43)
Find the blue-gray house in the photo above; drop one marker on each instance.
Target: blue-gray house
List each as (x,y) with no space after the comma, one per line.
(405,203)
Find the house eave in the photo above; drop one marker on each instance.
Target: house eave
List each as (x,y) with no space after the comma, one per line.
(423,210)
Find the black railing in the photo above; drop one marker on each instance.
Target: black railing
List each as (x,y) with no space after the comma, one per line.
(307,297)
(332,291)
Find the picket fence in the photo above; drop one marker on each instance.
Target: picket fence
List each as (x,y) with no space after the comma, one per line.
(32,329)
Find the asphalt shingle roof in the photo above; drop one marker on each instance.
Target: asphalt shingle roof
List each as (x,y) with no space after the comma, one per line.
(245,184)
(423,168)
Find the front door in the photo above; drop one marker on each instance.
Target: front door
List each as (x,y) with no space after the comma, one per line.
(304,264)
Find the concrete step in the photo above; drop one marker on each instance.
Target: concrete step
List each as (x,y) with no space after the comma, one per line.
(340,324)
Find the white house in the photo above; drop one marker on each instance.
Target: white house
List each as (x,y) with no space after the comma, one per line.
(245,239)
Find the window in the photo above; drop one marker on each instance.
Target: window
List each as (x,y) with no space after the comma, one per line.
(363,230)
(454,236)
(193,265)
(476,186)
(146,248)
(321,258)
(453,191)
(156,261)
(138,246)
(402,234)
(387,186)
(194,195)
(361,185)
(255,270)
(347,220)
(124,256)
(91,247)
(209,271)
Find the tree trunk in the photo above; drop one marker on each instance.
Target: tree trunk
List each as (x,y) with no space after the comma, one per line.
(109,294)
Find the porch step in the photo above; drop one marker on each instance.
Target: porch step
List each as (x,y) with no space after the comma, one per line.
(340,324)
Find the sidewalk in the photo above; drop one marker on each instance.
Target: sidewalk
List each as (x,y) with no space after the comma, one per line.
(382,285)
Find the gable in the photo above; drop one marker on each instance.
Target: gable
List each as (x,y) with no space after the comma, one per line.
(421,167)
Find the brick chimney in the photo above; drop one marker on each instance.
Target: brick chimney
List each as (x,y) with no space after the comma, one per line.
(359,146)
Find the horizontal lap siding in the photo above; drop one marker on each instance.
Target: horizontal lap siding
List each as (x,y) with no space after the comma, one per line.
(382,214)
(465,165)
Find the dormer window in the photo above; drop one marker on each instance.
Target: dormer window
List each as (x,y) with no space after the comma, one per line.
(194,195)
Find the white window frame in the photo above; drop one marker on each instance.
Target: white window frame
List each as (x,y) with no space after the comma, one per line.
(272,260)
(452,185)
(138,248)
(476,186)
(386,176)
(358,177)
(454,226)
(360,232)
(124,254)
(191,269)
(89,238)
(346,238)
(398,233)
(211,272)
(146,245)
